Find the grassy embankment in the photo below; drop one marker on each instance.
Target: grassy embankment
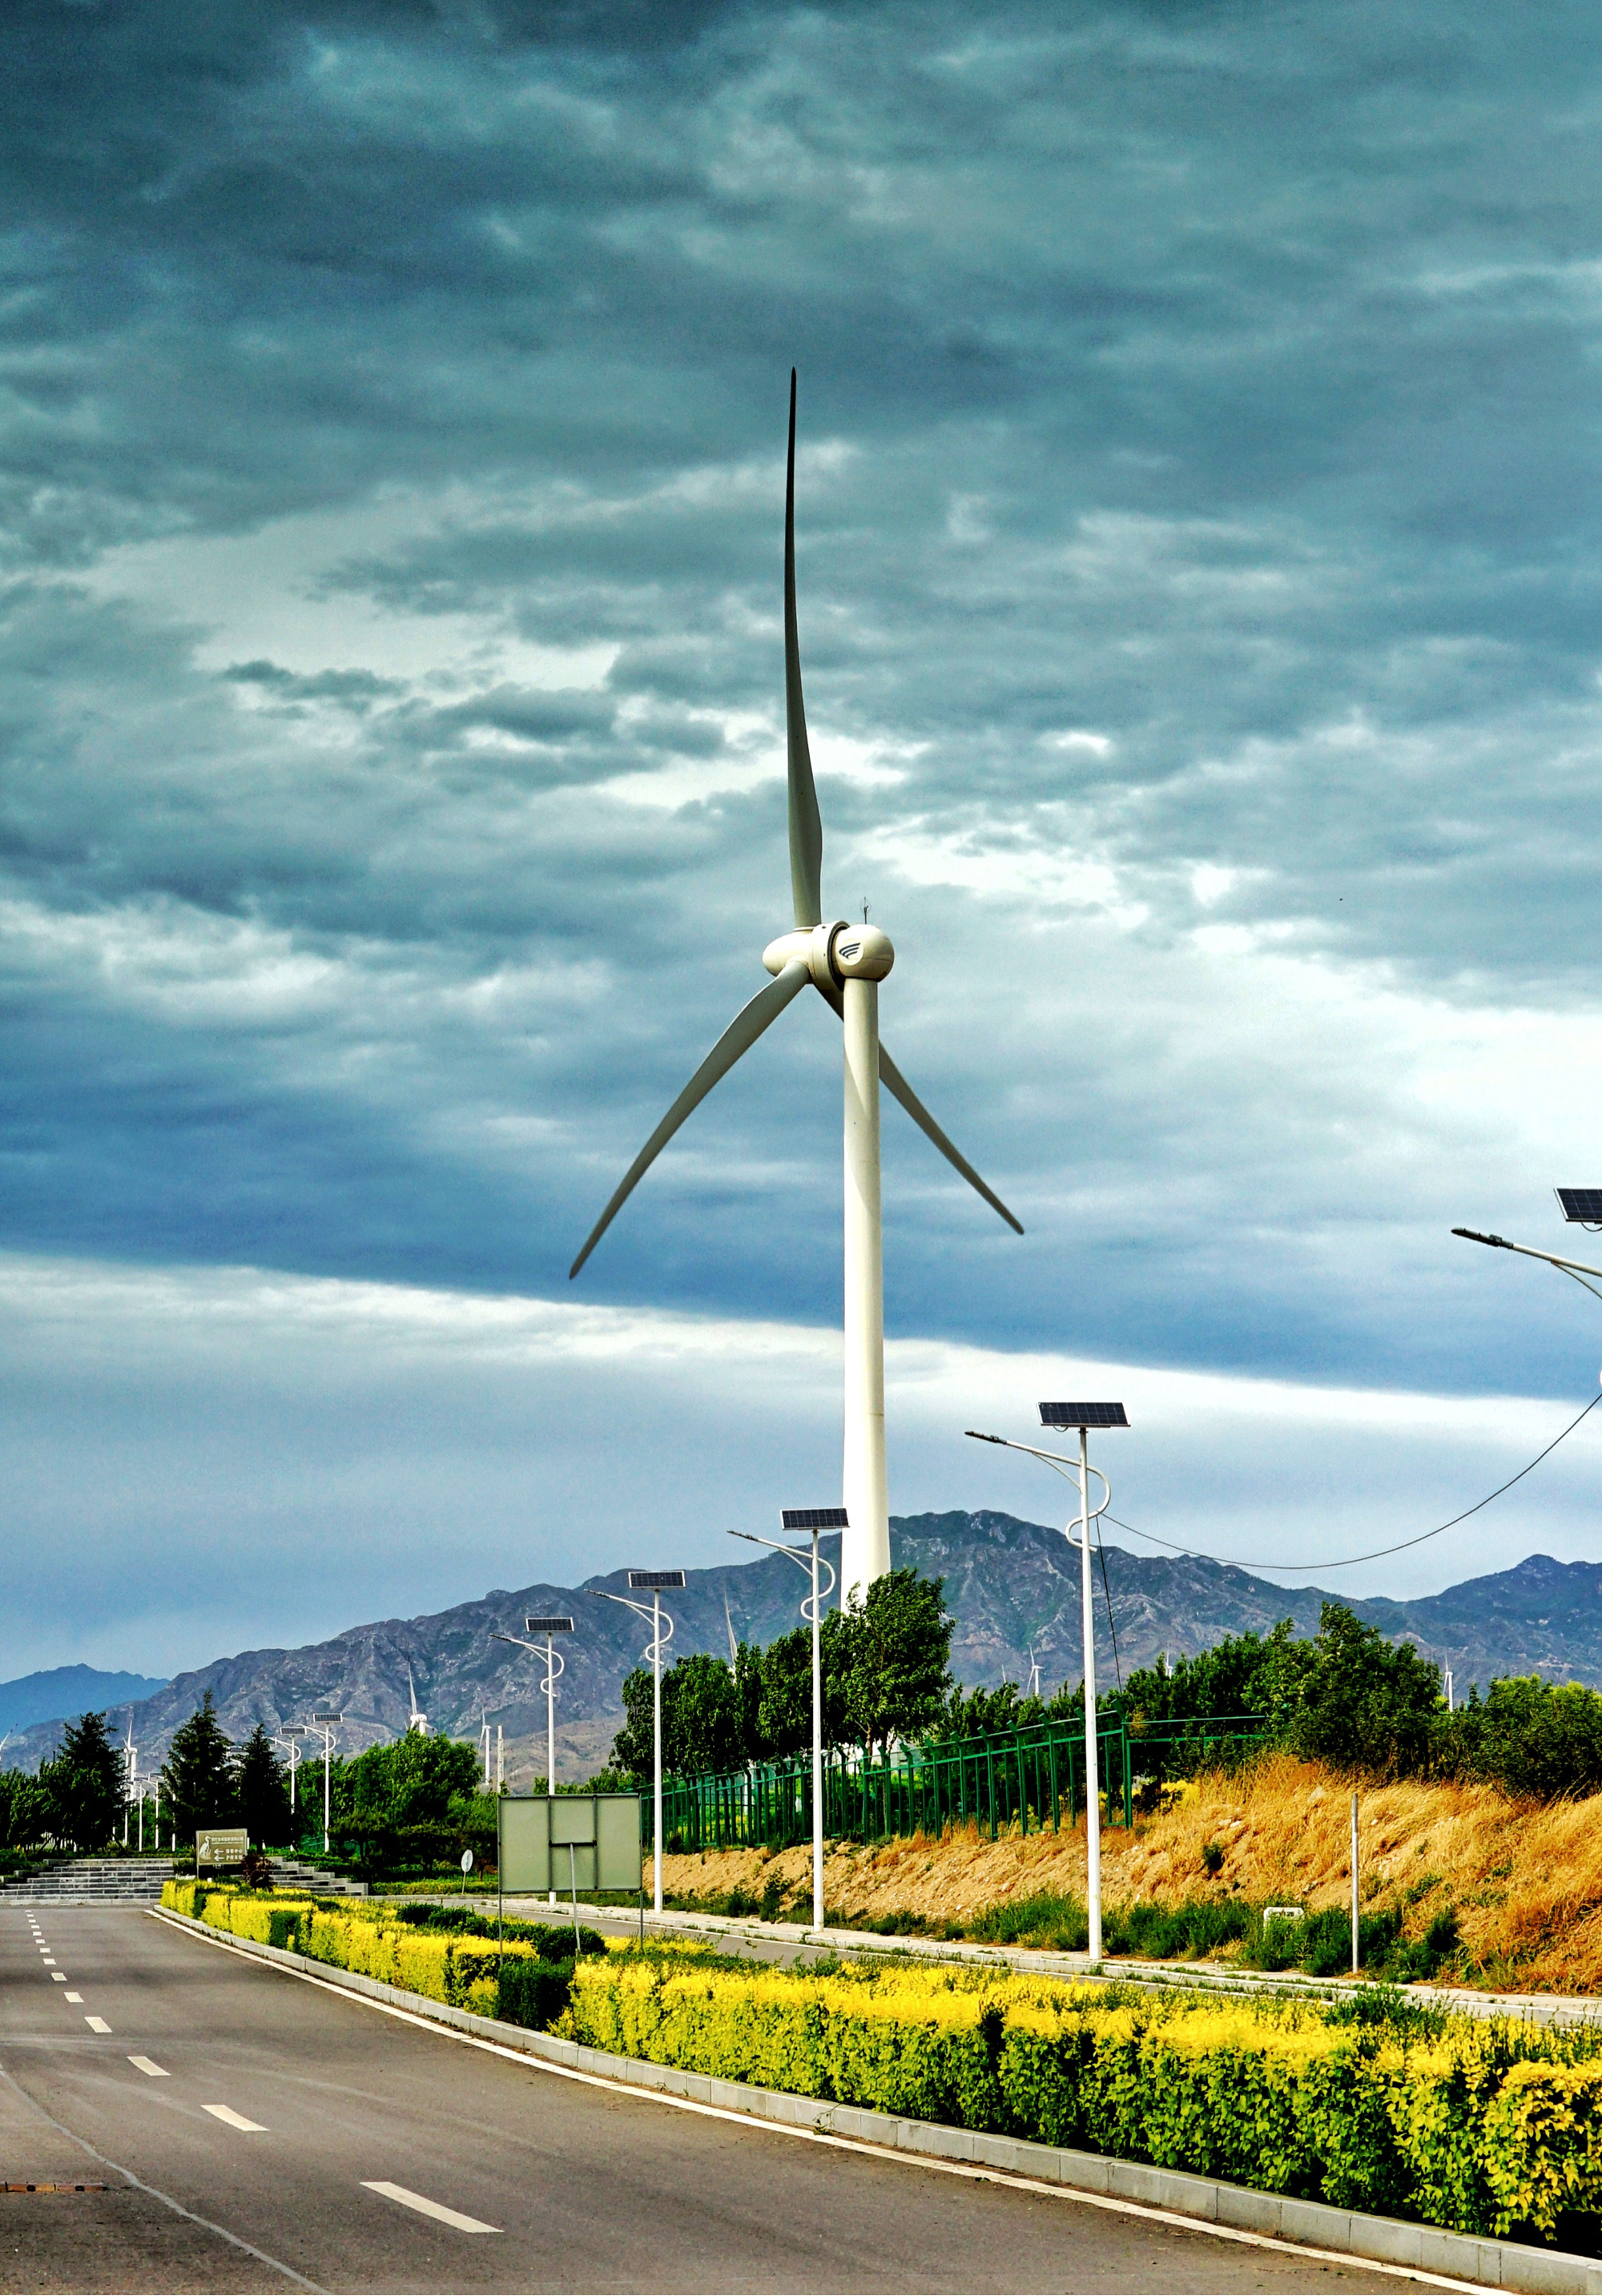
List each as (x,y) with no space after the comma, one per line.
(1525,1880)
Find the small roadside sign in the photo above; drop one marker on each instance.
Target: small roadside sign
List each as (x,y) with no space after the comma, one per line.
(222,1845)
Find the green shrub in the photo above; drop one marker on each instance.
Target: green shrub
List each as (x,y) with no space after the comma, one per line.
(533,1993)
(1212,1858)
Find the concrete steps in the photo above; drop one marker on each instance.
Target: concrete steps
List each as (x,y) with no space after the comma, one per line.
(90,1882)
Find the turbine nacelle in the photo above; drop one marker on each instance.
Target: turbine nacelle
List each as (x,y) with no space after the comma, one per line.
(832,953)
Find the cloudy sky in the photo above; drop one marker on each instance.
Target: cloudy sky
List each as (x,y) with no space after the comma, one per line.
(1202,622)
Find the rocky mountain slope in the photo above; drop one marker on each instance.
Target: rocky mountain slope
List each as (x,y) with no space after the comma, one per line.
(1011,1586)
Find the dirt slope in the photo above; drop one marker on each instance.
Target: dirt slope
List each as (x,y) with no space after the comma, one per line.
(1525,1880)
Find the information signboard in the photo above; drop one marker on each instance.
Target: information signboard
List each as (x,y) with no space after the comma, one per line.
(222,1845)
(568,1841)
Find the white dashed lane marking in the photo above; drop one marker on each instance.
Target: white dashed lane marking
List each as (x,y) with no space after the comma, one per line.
(58,1977)
(427,2208)
(225,2112)
(156,2073)
(72,1996)
(96,2024)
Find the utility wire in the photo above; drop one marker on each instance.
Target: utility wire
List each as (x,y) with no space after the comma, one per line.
(1107,1591)
(1347,1561)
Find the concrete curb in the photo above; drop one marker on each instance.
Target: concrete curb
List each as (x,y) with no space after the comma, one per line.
(1203,2200)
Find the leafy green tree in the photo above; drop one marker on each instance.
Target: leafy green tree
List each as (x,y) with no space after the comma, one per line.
(197,1777)
(896,1646)
(261,1790)
(983,1713)
(1365,1703)
(701,1720)
(1534,1739)
(784,1695)
(24,1810)
(83,1785)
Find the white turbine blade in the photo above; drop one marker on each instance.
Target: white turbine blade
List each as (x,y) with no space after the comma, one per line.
(738,1038)
(806,823)
(890,1075)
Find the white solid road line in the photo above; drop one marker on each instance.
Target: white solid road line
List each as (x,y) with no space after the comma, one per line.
(234,2119)
(72,1996)
(426,2207)
(156,2073)
(96,2024)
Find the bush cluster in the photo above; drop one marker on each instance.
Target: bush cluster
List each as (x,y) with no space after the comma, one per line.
(444,1953)
(1491,2128)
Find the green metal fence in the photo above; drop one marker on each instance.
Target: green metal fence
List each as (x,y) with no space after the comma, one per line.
(1033,1778)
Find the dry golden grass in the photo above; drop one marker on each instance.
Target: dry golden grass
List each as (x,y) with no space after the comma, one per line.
(1525,1879)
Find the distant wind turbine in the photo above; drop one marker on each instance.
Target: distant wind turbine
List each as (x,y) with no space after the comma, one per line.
(416,1719)
(845,964)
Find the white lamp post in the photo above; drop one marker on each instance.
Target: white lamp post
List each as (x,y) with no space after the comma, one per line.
(291,1736)
(812,1519)
(1084,1417)
(654,1581)
(325,1723)
(554,1665)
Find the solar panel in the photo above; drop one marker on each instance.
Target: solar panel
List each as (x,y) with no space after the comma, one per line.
(1083,1414)
(1581,1204)
(547,1626)
(656,1578)
(814,1518)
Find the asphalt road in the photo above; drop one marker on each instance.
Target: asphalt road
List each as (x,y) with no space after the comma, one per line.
(233,2127)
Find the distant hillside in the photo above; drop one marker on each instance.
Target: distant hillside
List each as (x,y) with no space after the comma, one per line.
(1010,1585)
(63,1692)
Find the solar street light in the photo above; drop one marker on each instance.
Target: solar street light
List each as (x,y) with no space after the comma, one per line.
(1578,1268)
(1584,1206)
(325,1723)
(654,1582)
(1083,1417)
(291,1736)
(814,1520)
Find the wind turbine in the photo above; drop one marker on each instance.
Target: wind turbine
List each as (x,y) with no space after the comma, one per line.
(416,1720)
(845,964)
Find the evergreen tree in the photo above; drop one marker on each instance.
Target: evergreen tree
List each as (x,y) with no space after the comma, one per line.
(83,1785)
(261,1791)
(197,1777)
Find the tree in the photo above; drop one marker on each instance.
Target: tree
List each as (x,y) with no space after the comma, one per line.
(1365,1703)
(261,1790)
(82,1784)
(895,1644)
(24,1810)
(1532,1738)
(701,1720)
(197,1777)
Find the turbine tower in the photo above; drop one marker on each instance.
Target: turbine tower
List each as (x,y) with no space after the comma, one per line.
(845,964)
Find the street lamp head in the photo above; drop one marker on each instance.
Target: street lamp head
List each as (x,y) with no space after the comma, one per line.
(1083,1414)
(814,1518)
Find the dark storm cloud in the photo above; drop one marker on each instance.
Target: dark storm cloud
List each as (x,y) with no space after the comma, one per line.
(1199,605)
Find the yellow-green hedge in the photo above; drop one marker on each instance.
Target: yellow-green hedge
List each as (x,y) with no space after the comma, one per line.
(363,1936)
(1489,2127)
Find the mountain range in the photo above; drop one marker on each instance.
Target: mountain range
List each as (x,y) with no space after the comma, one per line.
(68,1690)
(1012,1586)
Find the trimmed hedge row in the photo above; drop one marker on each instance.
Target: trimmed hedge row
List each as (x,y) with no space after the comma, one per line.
(514,1980)
(1481,2127)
